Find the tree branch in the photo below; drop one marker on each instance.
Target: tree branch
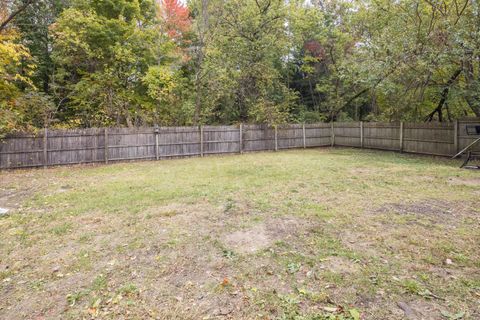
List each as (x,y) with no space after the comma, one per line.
(443,98)
(12,16)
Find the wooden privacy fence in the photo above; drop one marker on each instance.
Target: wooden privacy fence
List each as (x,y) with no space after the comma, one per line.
(58,147)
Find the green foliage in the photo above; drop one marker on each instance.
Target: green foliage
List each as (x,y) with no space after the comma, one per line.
(169,90)
(244,62)
(83,63)
(15,69)
(293,267)
(104,50)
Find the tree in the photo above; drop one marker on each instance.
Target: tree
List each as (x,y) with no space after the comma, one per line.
(143,62)
(425,43)
(15,75)
(103,51)
(175,18)
(244,60)
(34,26)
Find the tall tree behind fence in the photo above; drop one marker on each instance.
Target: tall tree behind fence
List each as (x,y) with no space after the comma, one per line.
(58,147)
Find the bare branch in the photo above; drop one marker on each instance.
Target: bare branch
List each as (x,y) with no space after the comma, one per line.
(12,16)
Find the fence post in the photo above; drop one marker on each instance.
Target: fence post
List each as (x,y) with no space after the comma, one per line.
(156,131)
(304,136)
(361,134)
(276,139)
(106,145)
(455,136)
(240,138)
(45,147)
(201,141)
(401,136)
(332,138)
(95,150)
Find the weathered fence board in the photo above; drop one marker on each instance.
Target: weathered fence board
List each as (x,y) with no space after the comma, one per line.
(290,136)
(347,134)
(56,147)
(221,139)
(179,141)
(318,135)
(464,139)
(429,138)
(258,138)
(385,136)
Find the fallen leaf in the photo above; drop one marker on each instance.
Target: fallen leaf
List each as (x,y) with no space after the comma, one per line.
(354,314)
(330,309)
(225,282)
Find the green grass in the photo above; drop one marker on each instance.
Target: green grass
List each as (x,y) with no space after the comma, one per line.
(304,234)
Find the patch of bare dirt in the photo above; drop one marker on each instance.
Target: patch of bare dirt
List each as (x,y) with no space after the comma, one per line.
(262,235)
(419,208)
(172,209)
(473,182)
(420,309)
(288,226)
(363,242)
(13,198)
(363,171)
(440,210)
(340,265)
(248,241)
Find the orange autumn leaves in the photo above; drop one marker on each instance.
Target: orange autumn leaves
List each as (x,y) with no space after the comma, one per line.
(176,18)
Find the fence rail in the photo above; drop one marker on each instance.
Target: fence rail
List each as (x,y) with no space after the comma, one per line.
(75,146)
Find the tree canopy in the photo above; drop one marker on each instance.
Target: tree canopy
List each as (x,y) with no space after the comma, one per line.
(83,63)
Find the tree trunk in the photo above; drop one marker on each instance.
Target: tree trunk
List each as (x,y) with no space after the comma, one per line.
(200,58)
(198,100)
(473,84)
(443,98)
(312,95)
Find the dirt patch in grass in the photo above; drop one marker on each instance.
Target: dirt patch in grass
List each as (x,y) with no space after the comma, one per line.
(264,234)
(411,225)
(289,226)
(431,208)
(419,309)
(248,241)
(169,210)
(471,182)
(340,265)
(441,211)
(12,198)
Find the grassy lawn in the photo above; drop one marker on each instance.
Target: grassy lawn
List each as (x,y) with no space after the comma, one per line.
(304,234)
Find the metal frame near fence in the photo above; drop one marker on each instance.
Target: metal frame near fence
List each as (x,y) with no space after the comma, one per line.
(96,145)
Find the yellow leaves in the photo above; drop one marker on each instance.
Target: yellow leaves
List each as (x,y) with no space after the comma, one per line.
(161,82)
(15,69)
(12,56)
(11,52)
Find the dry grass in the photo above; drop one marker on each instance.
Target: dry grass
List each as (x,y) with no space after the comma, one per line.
(308,234)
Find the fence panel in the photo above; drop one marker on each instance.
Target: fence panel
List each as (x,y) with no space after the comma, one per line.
(290,136)
(347,134)
(118,144)
(258,137)
(463,138)
(21,150)
(429,138)
(75,146)
(130,144)
(379,135)
(318,134)
(179,141)
(221,139)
